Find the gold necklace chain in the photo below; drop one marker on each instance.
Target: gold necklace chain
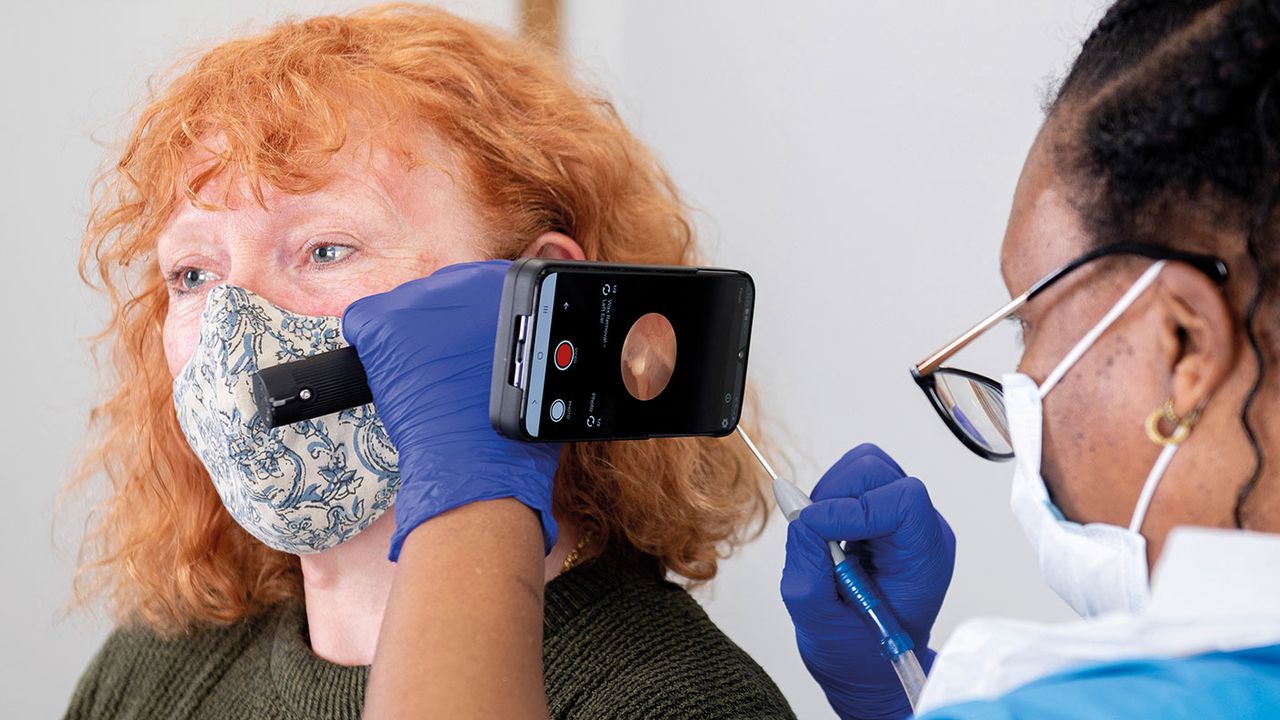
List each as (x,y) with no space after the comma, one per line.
(572,558)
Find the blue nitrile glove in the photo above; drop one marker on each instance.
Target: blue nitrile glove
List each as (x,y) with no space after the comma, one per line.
(427,347)
(908,551)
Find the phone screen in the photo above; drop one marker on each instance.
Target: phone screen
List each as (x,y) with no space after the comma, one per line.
(638,354)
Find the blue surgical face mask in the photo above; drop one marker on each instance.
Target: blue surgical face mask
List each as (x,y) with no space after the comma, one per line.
(1096,568)
(301,488)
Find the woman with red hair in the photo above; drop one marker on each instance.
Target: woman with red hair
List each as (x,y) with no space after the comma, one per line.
(268,185)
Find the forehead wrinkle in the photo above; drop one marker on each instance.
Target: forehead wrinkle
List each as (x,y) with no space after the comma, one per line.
(239,205)
(388,175)
(191,227)
(348,203)
(379,168)
(378,182)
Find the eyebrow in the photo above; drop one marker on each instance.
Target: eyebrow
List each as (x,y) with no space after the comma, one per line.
(181,231)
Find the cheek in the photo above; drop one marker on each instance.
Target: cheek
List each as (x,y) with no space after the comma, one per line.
(181,332)
(1080,452)
(383,276)
(1096,454)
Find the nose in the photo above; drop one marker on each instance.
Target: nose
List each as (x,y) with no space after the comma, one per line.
(266,268)
(253,271)
(254,266)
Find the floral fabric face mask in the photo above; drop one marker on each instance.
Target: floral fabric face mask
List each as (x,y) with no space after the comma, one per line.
(300,488)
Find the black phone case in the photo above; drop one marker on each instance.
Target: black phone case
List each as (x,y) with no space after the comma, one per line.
(506,402)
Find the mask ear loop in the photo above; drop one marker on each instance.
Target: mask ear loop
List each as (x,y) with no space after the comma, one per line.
(1135,291)
(1130,296)
(1149,487)
(1171,443)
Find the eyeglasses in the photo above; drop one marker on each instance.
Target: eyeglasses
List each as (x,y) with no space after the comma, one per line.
(972,405)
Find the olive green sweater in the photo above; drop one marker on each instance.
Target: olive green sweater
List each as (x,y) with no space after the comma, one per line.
(618,642)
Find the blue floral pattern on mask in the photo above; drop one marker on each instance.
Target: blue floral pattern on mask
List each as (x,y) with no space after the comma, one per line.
(301,488)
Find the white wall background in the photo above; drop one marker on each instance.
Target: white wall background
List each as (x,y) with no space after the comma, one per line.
(856,157)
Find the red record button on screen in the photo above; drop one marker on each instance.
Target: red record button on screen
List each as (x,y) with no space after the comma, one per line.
(564,355)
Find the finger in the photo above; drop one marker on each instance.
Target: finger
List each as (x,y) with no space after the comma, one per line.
(469,290)
(356,319)
(861,469)
(471,266)
(883,511)
(464,272)
(806,574)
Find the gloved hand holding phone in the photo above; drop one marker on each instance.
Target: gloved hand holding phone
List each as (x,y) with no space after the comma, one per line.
(427,349)
(905,547)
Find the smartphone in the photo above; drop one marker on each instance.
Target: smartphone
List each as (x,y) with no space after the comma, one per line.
(595,351)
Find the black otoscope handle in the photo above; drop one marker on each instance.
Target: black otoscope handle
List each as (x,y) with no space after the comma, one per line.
(311,387)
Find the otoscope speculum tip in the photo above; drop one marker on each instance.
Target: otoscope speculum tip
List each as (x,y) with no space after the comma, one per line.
(791,499)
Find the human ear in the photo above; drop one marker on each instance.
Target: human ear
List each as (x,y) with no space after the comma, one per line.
(554,246)
(1201,340)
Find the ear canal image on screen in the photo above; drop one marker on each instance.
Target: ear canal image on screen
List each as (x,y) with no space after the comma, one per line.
(648,356)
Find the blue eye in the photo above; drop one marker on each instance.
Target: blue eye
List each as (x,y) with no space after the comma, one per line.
(190,279)
(325,254)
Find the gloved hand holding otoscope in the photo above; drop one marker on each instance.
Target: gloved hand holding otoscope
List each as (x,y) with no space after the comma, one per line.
(856,589)
(586,351)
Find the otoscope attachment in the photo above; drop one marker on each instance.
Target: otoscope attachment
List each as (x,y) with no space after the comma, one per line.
(304,389)
(791,499)
(854,587)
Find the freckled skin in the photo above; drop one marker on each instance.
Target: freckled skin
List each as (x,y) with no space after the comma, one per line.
(1096,452)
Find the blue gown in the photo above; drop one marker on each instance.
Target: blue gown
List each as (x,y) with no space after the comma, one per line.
(1240,685)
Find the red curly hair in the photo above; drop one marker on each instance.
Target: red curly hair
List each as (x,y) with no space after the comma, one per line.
(540,154)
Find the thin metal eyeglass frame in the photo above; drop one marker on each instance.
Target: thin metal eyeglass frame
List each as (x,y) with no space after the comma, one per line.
(924,372)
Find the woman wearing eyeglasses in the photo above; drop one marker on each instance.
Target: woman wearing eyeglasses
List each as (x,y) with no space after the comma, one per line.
(1141,254)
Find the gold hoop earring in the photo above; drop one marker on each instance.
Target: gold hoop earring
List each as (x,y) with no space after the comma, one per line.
(1181,425)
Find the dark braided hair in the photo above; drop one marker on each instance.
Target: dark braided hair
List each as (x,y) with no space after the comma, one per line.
(1171,111)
